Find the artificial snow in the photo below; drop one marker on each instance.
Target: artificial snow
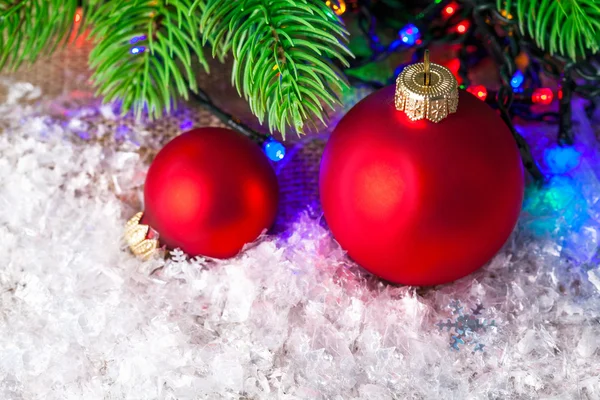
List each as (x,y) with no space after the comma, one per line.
(289,318)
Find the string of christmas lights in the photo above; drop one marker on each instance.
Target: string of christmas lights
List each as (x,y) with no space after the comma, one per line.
(472,25)
(541,96)
(482,31)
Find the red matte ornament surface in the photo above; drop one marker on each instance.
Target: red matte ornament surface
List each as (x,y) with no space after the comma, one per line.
(421,203)
(209,192)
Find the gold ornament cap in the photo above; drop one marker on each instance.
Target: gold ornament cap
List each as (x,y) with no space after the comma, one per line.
(136,236)
(426,90)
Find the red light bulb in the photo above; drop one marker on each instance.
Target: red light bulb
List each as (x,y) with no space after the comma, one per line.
(462,27)
(542,96)
(479,91)
(450,9)
(78,14)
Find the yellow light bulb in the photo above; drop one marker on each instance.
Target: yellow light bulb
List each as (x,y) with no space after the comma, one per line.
(338,8)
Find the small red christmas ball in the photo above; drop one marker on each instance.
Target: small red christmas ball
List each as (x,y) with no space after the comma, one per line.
(418,202)
(209,192)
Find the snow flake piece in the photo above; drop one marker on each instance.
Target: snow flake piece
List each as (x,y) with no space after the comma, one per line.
(466,327)
(178,255)
(477,310)
(456,340)
(456,307)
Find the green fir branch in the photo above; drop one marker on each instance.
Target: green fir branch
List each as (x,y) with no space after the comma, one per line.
(30,29)
(570,28)
(155,69)
(283,52)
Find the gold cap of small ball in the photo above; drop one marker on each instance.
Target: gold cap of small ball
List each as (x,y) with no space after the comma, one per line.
(426,91)
(136,236)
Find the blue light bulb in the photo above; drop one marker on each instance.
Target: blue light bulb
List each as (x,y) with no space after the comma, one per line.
(136,39)
(409,34)
(137,50)
(517,80)
(274,150)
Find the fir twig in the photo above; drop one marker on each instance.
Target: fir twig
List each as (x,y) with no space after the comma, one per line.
(144,50)
(33,28)
(570,28)
(144,53)
(282,53)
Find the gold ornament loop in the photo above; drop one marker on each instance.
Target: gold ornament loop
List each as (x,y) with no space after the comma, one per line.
(427,68)
(426,90)
(136,236)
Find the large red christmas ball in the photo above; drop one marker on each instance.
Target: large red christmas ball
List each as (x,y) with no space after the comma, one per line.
(417,202)
(209,192)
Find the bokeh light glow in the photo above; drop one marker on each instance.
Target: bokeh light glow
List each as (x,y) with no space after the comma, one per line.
(410,34)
